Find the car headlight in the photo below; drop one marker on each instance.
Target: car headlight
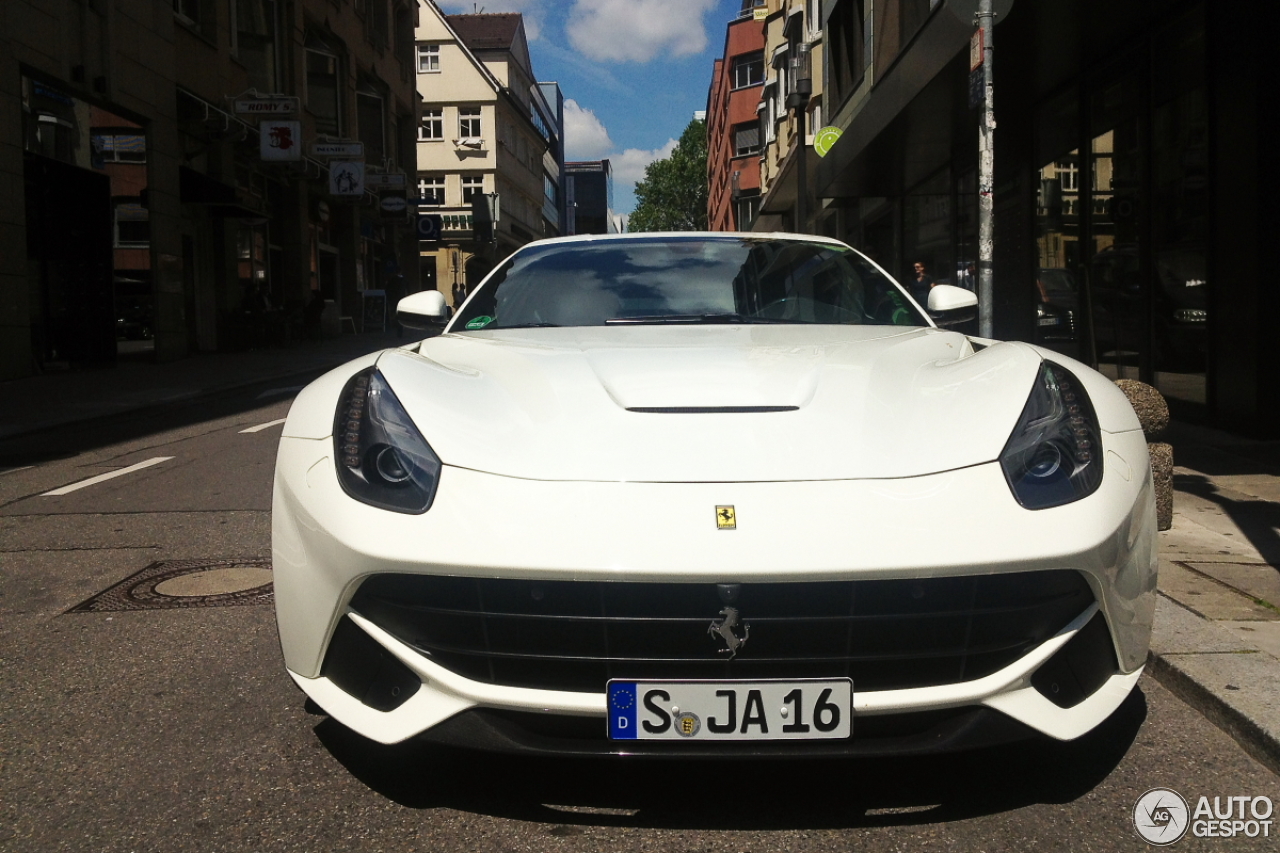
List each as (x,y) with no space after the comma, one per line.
(382,459)
(1053,456)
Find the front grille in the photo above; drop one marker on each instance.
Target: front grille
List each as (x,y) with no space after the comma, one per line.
(575,636)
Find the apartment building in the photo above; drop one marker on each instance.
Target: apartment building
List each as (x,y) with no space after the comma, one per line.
(734,127)
(792,29)
(488,147)
(151,201)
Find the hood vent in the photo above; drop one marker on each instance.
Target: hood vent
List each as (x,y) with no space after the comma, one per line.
(710,410)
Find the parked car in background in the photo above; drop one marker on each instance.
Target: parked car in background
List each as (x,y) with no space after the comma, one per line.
(1179,306)
(1057,306)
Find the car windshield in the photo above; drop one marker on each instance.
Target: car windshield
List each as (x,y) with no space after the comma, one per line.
(686,280)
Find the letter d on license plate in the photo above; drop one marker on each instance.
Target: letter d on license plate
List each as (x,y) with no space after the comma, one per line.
(730,710)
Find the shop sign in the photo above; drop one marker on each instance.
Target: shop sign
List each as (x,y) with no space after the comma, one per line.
(280,141)
(824,139)
(345,150)
(346,178)
(272,105)
(382,180)
(393,205)
(429,226)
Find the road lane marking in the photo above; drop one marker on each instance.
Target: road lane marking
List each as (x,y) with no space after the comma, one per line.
(109,476)
(276,392)
(261,427)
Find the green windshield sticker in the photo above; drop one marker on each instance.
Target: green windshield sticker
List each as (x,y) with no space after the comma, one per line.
(479,322)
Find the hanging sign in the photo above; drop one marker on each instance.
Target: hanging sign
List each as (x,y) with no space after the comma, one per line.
(393,205)
(824,139)
(383,180)
(280,141)
(346,177)
(345,150)
(975,49)
(272,105)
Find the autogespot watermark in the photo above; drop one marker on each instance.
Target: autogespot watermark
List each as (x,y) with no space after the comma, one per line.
(1162,817)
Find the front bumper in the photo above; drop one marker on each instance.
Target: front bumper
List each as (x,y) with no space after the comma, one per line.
(960,523)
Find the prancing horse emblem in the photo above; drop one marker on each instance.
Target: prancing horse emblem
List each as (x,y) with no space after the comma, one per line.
(724,627)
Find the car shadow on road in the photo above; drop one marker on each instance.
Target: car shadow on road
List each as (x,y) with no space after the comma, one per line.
(570,794)
(1258,520)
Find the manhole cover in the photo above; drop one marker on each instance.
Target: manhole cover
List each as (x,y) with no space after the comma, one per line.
(175,584)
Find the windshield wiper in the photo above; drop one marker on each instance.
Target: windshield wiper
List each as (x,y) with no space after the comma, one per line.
(686,319)
(530,326)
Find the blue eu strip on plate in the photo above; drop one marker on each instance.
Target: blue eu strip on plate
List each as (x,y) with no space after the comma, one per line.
(622,710)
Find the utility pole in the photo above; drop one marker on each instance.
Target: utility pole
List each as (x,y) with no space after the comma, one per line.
(986,172)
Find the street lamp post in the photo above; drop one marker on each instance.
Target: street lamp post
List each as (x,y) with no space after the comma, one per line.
(799,88)
(986,173)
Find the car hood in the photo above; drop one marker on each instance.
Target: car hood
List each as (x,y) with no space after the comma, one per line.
(734,403)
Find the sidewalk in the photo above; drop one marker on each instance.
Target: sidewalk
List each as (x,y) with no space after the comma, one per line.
(1217,629)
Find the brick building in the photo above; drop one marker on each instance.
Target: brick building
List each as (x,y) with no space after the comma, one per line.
(734,126)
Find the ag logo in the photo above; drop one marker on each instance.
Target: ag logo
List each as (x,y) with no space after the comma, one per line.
(1161,816)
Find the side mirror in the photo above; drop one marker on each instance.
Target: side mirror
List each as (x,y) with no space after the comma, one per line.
(423,310)
(950,305)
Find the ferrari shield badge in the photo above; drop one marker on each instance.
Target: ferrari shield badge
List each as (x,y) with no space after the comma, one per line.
(726,518)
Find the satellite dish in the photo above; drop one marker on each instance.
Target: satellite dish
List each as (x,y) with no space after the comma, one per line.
(967,10)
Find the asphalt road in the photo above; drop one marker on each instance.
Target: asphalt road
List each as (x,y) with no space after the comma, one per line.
(176,729)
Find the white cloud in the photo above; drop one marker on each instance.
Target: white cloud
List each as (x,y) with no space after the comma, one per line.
(628,167)
(638,30)
(531,9)
(585,136)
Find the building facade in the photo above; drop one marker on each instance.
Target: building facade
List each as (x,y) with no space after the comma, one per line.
(734,128)
(791,27)
(1129,214)
(589,195)
(150,209)
(489,145)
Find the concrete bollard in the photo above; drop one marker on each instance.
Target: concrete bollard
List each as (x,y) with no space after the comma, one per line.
(1153,414)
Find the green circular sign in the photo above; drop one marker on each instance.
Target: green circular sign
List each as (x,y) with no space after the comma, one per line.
(824,139)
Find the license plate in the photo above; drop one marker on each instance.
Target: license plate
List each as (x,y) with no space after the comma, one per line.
(730,710)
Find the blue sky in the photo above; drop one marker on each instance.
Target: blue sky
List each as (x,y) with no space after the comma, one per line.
(633,72)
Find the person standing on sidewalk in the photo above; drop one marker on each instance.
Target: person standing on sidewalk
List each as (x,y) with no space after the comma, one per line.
(920,283)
